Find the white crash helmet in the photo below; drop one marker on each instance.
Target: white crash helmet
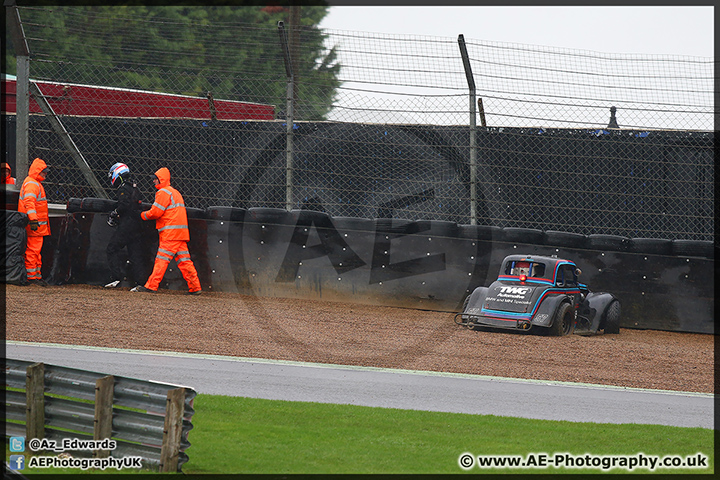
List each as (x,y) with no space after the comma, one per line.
(117,170)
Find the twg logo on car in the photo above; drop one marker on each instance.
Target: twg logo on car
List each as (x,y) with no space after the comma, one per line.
(515,290)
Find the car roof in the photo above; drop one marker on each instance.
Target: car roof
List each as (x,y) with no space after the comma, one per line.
(535,258)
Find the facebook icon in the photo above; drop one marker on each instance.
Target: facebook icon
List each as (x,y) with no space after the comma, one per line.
(17,462)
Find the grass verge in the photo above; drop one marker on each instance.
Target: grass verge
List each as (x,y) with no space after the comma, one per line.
(253,436)
(244,435)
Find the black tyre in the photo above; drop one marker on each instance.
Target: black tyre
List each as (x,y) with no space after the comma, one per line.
(531,236)
(232,214)
(100,205)
(565,239)
(612,318)
(653,246)
(481,232)
(276,216)
(564,322)
(73,205)
(693,248)
(354,224)
(193,212)
(90,204)
(608,242)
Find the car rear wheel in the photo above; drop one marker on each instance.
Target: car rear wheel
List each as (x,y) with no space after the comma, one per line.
(564,322)
(612,318)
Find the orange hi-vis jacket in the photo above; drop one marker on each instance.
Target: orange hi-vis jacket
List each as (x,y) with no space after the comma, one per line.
(9,179)
(168,210)
(33,201)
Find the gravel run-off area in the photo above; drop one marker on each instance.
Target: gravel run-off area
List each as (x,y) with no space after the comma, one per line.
(350,334)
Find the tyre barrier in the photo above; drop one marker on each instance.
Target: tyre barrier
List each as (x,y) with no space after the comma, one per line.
(693,248)
(104,205)
(231,214)
(269,215)
(192,212)
(354,224)
(304,220)
(653,246)
(481,232)
(565,239)
(196,213)
(90,204)
(615,243)
(436,228)
(395,226)
(308,218)
(426,264)
(532,236)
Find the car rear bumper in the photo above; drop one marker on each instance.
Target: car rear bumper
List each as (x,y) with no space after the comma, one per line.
(494,322)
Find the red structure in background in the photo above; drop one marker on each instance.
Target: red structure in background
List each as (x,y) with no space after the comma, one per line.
(94,101)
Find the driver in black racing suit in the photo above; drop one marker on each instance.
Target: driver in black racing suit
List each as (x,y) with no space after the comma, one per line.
(128,230)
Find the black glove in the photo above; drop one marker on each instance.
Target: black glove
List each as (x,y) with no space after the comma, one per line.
(34,225)
(112,218)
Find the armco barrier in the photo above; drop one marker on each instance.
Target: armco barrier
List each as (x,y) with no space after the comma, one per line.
(433,265)
(158,432)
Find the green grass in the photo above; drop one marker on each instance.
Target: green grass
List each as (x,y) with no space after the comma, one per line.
(244,435)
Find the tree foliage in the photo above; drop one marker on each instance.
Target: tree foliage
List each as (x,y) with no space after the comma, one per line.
(233,52)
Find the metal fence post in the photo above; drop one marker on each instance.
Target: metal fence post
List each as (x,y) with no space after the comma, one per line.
(22,102)
(289,118)
(35,398)
(473,144)
(481,112)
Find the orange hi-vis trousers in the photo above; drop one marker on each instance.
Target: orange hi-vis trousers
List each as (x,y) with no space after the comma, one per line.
(33,261)
(167,250)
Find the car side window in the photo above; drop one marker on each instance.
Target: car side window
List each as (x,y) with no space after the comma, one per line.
(538,270)
(566,277)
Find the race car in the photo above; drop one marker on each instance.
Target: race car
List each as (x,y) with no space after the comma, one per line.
(540,292)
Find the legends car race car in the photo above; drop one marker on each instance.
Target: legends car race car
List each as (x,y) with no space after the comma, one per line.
(543,292)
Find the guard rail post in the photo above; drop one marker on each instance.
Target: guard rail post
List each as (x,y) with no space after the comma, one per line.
(172,432)
(35,397)
(102,423)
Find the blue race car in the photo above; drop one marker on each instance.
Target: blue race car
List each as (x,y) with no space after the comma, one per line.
(543,292)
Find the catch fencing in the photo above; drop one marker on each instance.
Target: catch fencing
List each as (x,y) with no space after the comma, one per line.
(146,419)
(461,126)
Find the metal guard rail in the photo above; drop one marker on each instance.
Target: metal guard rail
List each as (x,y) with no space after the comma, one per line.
(137,433)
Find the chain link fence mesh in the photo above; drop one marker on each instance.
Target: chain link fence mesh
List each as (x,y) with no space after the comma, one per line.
(381,123)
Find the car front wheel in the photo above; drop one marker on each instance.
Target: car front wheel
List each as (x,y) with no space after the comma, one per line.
(612,318)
